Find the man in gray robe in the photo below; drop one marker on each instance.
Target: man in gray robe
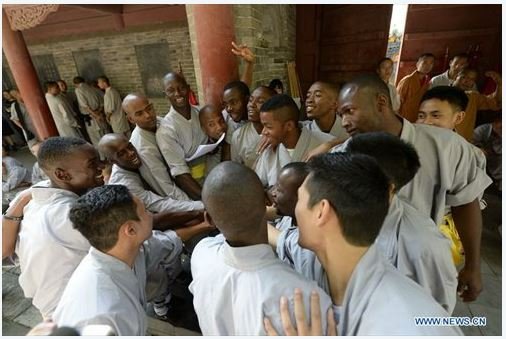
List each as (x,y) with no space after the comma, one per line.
(112,107)
(109,285)
(63,115)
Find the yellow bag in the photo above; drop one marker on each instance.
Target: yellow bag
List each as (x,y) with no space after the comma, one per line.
(198,171)
(450,231)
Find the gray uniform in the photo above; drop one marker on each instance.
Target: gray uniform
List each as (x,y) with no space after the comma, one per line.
(178,139)
(270,162)
(235,287)
(63,116)
(92,98)
(337,129)
(379,300)
(155,171)
(104,290)
(112,105)
(153,202)
(244,144)
(16,174)
(232,126)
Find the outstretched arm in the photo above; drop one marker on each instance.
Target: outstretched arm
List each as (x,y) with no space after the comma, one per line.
(10,223)
(249,58)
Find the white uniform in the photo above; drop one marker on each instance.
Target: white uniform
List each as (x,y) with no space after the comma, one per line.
(234,288)
(232,126)
(178,139)
(411,242)
(48,247)
(379,300)
(16,174)
(90,97)
(153,202)
(337,129)
(284,223)
(452,173)
(270,162)
(155,171)
(105,291)
(244,144)
(112,105)
(63,116)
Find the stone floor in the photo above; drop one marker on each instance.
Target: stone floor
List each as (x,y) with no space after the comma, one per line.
(18,315)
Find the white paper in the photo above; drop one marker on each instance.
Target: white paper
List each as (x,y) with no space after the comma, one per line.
(204,149)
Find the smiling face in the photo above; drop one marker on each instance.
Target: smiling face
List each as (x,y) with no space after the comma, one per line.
(82,170)
(320,101)
(457,64)
(256,100)
(358,112)
(436,112)
(274,130)
(466,80)
(177,92)
(235,104)
(122,153)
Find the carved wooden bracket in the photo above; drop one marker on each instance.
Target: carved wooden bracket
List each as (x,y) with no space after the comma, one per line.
(23,17)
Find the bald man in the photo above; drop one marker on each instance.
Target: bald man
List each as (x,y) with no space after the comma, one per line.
(141,112)
(289,140)
(451,172)
(179,136)
(321,108)
(126,171)
(237,279)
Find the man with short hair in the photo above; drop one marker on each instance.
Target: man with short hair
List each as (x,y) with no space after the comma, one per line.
(321,109)
(450,175)
(413,86)
(63,115)
(109,285)
(235,100)
(457,63)
(340,211)
(126,170)
(245,139)
(141,112)
(179,136)
(384,70)
(48,247)
(112,107)
(91,104)
(214,126)
(237,279)
(289,140)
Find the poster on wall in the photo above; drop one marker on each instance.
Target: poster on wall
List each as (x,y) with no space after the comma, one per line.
(88,64)
(153,61)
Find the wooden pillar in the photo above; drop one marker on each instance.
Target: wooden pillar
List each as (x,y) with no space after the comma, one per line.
(24,73)
(214,32)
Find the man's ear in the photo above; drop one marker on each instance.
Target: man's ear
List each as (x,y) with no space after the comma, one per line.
(62,175)
(459,117)
(323,212)
(382,102)
(130,119)
(128,229)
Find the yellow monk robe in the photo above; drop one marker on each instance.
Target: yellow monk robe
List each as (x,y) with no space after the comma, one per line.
(477,102)
(410,93)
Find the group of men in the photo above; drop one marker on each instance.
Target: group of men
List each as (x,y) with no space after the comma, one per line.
(350,239)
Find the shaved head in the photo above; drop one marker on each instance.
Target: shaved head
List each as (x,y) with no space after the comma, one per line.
(108,143)
(369,83)
(173,76)
(233,196)
(131,99)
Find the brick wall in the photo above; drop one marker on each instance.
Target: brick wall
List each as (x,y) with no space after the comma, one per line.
(270,31)
(118,56)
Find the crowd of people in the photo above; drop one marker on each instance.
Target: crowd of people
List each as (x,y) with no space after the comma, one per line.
(360,219)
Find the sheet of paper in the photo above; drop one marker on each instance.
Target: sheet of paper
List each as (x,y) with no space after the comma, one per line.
(204,149)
